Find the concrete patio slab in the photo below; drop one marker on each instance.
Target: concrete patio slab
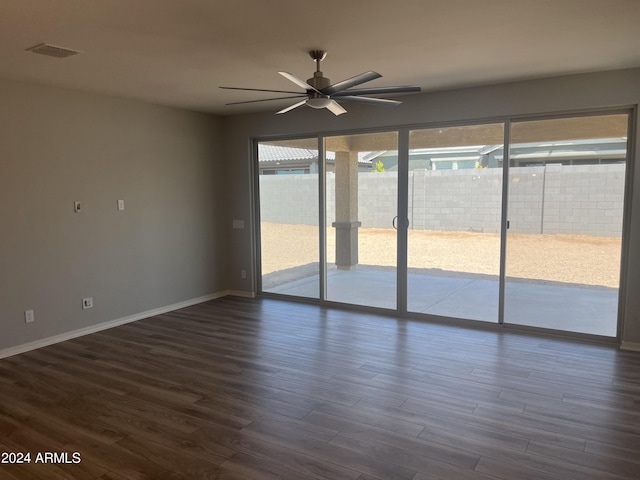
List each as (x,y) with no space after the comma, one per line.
(557,306)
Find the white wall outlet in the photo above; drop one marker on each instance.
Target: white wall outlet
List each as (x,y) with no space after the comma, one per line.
(29,316)
(87,303)
(238,224)
(243,274)
(77,207)
(120,204)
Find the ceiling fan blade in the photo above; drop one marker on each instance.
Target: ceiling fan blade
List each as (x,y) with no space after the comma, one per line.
(379,90)
(351,82)
(297,81)
(266,100)
(295,105)
(369,100)
(335,108)
(258,90)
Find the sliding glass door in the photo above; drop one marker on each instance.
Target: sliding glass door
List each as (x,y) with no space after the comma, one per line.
(566,198)
(361,211)
(289,244)
(452,221)
(454,208)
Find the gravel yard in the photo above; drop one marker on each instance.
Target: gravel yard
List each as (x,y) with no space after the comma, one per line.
(556,258)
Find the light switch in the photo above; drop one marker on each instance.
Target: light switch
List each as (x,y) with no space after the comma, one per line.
(120,204)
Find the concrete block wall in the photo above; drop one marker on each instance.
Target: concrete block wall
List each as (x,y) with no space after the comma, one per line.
(289,199)
(584,200)
(455,200)
(556,199)
(570,200)
(377,199)
(526,194)
(293,199)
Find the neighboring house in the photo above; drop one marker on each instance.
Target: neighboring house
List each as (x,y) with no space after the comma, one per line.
(279,160)
(578,152)
(575,152)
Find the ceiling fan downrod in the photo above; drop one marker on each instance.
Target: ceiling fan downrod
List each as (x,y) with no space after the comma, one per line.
(318,81)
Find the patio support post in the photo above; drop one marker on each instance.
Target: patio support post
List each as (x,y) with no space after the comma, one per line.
(346,223)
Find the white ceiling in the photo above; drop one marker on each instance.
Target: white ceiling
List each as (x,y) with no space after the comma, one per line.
(177,52)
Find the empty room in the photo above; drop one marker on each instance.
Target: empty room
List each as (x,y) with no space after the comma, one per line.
(354,240)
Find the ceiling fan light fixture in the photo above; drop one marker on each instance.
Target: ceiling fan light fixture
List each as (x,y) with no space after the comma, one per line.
(320,102)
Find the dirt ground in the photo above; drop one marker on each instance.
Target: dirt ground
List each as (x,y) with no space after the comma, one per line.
(556,258)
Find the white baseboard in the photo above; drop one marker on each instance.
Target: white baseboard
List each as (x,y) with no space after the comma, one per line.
(8,352)
(630,346)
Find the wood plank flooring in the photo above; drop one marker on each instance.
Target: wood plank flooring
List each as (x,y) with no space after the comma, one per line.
(241,389)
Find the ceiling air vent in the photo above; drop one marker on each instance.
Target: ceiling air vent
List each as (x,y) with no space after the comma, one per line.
(52,50)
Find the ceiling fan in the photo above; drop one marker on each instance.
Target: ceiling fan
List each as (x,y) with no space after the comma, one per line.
(320,93)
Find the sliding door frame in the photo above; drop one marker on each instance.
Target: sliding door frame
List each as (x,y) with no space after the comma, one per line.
(632,144)
(504,219)
(632,132)
(402,212)
(322,217)
(402,236)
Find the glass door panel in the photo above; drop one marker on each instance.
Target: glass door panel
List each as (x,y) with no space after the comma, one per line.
(566,198)
(289,232)
(361,204)
(454,206)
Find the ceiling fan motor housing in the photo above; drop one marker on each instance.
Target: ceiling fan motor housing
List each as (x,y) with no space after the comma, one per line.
(318,81)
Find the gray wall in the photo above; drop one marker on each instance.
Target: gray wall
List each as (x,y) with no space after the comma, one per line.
(556,199)
(576,92)
(59,146)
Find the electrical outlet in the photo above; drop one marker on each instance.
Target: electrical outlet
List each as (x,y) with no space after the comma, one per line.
(87,303)
(243,274)
(29,316)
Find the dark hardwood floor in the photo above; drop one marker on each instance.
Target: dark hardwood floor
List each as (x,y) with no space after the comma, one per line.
(265,389)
